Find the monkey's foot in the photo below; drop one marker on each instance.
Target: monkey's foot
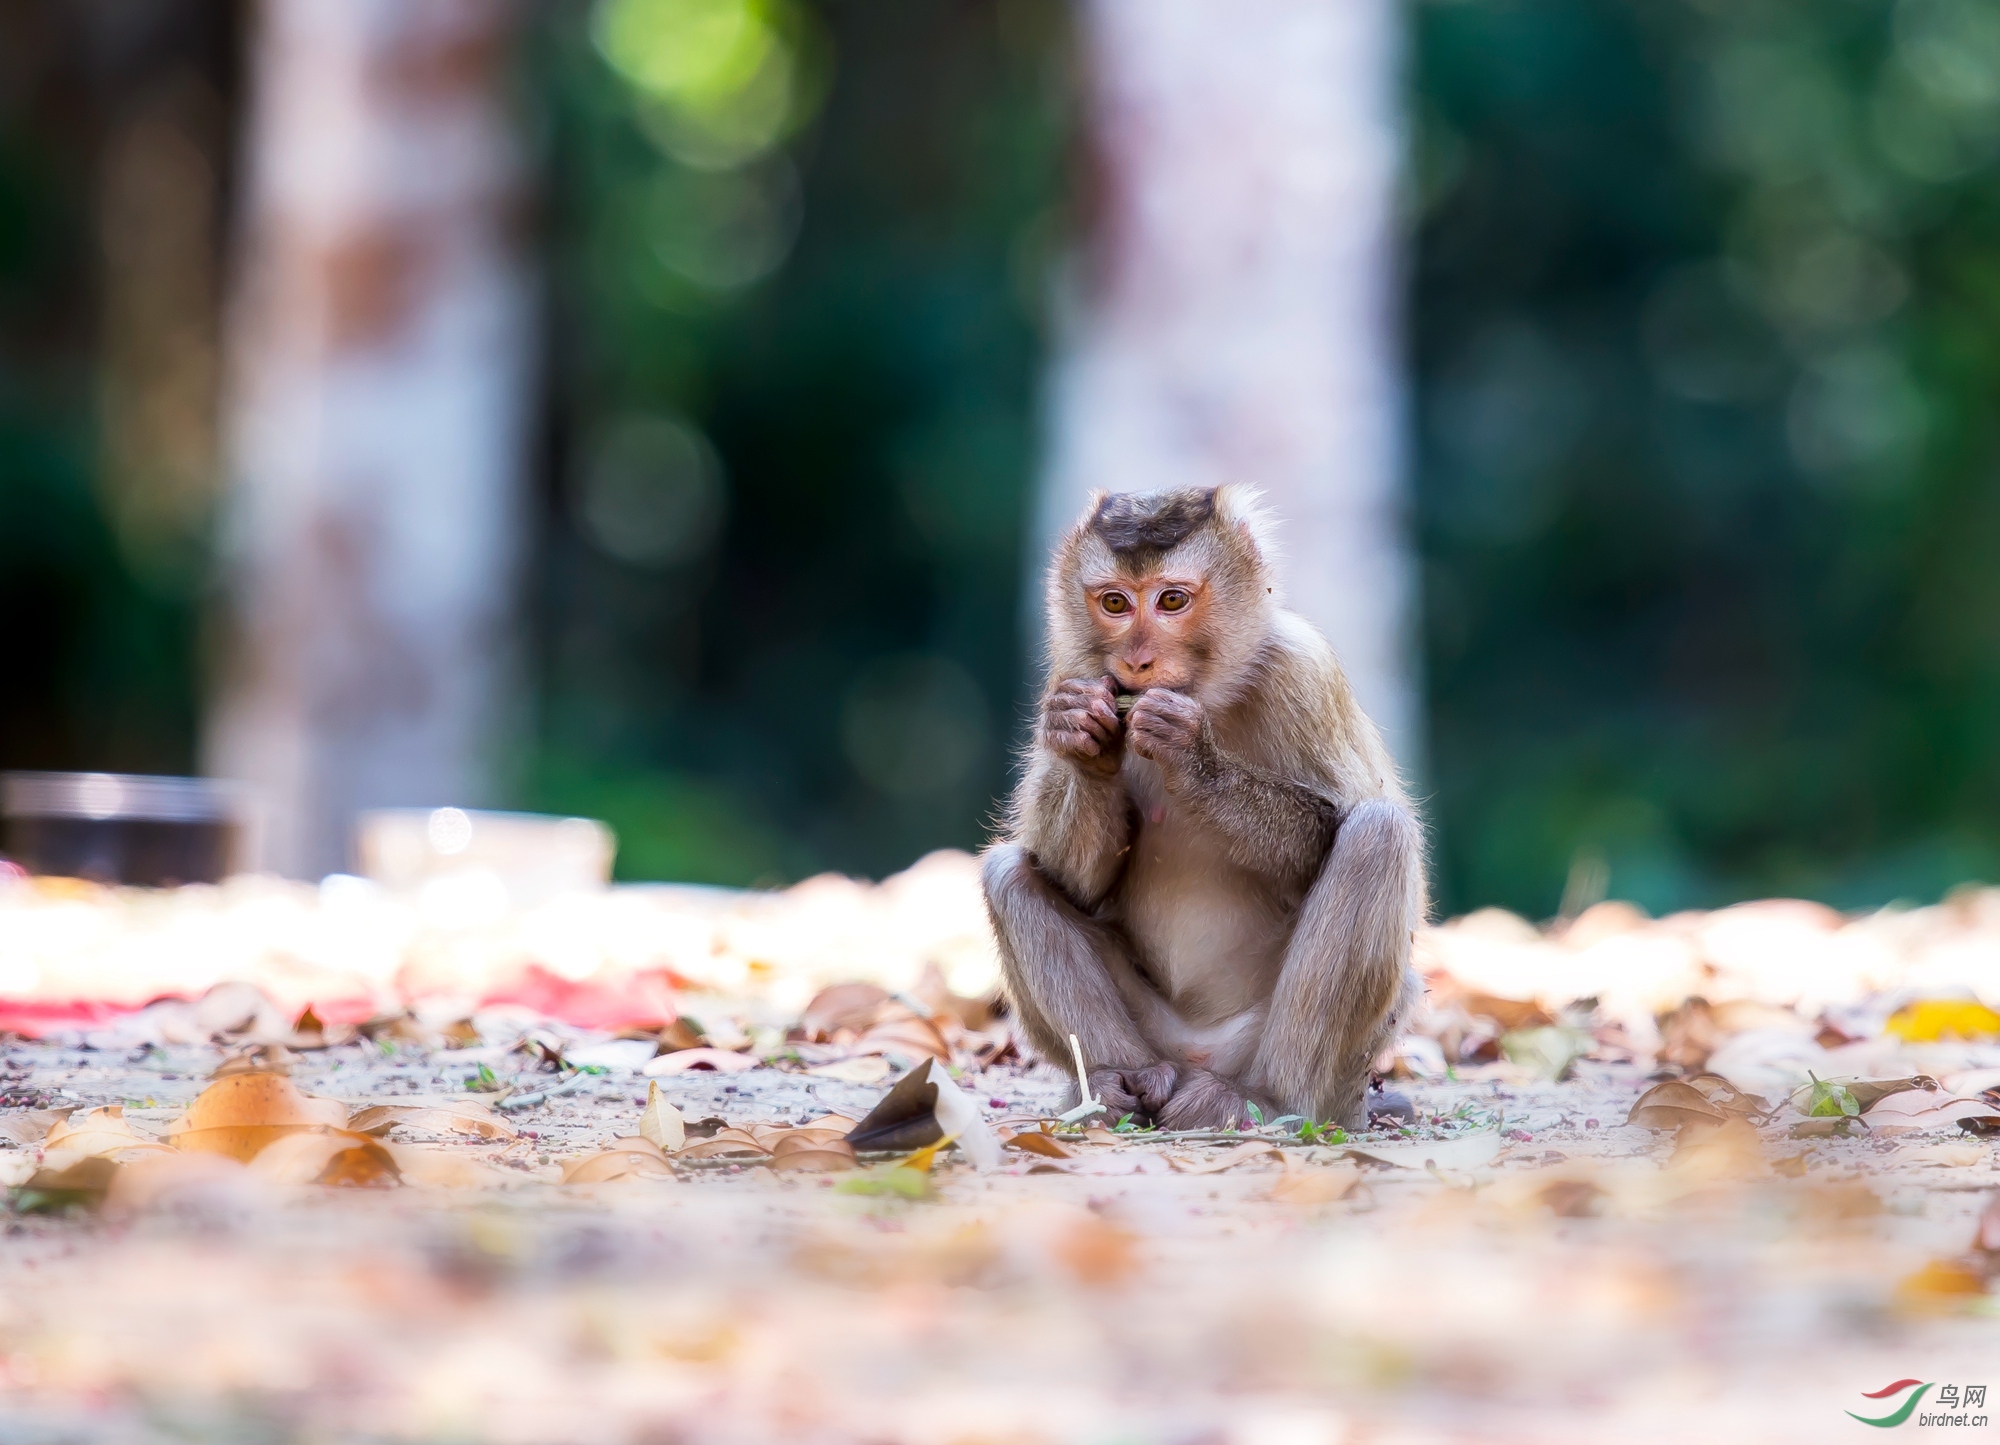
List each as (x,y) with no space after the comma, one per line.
(1139,1093)
(1203,1100)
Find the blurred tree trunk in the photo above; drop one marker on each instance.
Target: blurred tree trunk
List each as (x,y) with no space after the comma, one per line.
(380,340)
(1234,314)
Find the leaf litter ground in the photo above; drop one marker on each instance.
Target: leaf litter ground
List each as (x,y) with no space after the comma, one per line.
(1551,1274)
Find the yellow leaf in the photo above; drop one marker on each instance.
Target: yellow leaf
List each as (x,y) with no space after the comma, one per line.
(1929,1020)
(922,1160)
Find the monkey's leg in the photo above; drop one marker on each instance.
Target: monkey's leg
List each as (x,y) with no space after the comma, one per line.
(1066,974)
(1346,982)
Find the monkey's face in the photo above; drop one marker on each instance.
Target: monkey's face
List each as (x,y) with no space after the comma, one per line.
(1151,629)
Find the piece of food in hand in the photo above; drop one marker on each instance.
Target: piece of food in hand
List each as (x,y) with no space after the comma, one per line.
(1123,702)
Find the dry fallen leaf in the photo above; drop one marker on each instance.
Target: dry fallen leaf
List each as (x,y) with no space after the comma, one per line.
(242,1114)
(662,1122)
(66,1182)
(810,1151)
(906,1117)
(723,1061)
(171,1179)
(909,1038)
(1729,1150)
(862,1069)
(1924,1110)
(724,1142)
(1951,1156)
(1305,1184)
(1731,1100)
(265,1058)
(1930,1020)
(629,1158)
(1036,1142)
(1671,1105)
(104,1131)
(1468,1151)
(445,1168)
(1229,1159)
(337,1157)
(1689,1034)
(1943,1286)
(453,1116)
(1096,1251)
(30,1126)
(851,1006)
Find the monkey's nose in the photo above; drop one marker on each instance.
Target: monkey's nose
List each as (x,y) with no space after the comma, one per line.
(1145,667)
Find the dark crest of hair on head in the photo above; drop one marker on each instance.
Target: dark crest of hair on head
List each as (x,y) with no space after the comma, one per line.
(1140,528)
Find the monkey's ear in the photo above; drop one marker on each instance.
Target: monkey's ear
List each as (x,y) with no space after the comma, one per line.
(1242,508)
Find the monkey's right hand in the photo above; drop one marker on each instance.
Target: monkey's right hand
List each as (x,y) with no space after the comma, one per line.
(1080,723)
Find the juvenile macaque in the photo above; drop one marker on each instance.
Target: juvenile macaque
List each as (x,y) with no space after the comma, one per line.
(1214,887)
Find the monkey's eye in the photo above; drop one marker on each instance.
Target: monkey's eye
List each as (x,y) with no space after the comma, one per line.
(1173,600)
(1116,603)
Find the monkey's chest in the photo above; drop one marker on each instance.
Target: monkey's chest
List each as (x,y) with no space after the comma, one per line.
(1210,934)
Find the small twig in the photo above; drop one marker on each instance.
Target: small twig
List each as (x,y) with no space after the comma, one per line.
(524,1101)
(1087,1105)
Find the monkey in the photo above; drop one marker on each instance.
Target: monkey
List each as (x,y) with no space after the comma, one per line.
(1217,890)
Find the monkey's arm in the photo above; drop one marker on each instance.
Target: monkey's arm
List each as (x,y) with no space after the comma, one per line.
(1071,812)
(1267,822)
(1077,825)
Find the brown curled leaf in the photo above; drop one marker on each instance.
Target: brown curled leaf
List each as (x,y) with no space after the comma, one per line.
(1670,1105)
(632,1158)
(814,1161)
(440,1116)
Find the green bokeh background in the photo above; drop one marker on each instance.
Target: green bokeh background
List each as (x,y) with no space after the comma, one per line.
(1703,319)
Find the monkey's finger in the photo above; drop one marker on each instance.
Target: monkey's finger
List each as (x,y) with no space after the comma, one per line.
(1075,742)
(1078,721)
(1101,727)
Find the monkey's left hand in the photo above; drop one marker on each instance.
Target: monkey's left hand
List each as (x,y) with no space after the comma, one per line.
(1166,727)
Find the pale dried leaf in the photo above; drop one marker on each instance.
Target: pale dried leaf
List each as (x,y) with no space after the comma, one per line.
(98,1131)
(441,1116)
(864,1069)
(722,1061)
(662,1122)
(813,1161)
(445,1168)
(626,1159)
(30,1126)
(1468,1151)
(1305,1184)
(1229,1159)
(336,1157)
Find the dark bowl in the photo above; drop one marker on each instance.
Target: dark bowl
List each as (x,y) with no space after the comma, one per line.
(121,828)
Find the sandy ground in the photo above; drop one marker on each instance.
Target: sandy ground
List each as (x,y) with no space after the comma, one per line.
(1582,1285)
